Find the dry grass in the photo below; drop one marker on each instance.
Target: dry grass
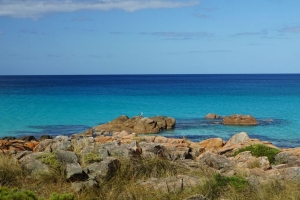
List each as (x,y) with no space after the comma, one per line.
(124,184)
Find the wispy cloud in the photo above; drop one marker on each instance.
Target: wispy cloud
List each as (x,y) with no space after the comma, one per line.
(259,33)
(26,31)
(179,35)
(201,16)
(38,8)
(291,29)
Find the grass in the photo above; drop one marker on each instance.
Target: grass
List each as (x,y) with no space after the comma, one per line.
(17,184)
(259,150)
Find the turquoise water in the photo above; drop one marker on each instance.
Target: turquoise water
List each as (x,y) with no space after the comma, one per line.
(35,105)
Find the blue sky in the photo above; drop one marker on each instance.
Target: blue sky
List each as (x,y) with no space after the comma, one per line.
(149,36)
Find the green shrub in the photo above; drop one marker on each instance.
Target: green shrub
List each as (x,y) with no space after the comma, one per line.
(56,196)
(238,182)
(259,150)
(51,160)
(15,194)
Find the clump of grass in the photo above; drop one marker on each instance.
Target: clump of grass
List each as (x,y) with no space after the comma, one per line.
(79,144)
(259,150)
(91,158)
(10,170)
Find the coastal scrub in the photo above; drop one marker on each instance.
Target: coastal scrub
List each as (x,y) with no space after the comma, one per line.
(259,150)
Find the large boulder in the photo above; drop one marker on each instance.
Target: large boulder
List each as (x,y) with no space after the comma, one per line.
(243,120)
(215,161)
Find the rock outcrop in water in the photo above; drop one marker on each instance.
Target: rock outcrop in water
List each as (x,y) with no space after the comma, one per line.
(242,120)
(137,124)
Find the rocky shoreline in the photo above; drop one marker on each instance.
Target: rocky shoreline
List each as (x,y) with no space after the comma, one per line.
(91,157)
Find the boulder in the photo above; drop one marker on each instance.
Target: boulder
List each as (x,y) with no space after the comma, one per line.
(32,165)
(27,138)
(212,144)
(80,186)
(44,137)
(212,116)
(73,169)
(238,138)
(105,169)
(243,120)
(146,125)
(215,161)
(164,122)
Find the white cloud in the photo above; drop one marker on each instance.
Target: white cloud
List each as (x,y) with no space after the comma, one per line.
(38,8)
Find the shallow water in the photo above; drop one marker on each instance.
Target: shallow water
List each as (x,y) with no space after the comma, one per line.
(35,105)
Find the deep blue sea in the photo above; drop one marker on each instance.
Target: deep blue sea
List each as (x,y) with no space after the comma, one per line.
(36,105)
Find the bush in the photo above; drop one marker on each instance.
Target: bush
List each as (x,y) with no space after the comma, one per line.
(56,196)
(259,150)
(15,194)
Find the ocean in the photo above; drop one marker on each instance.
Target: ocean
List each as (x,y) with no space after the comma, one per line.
(63,105)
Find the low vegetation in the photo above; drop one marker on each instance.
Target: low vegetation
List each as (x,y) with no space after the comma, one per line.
(16,184)
(259,150)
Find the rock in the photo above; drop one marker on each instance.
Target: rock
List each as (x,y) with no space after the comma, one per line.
(120,120)
(215,161)
(130,123)
(171,184)
(73,169)
(80,186)
(51,145)
(136,124)
(212,144)
(61,138)
(246,160)
(103,170)
(33,165)
(289,157)
(164,122)
(212,116)
(27,138)
(244,120)
(44,137)
(288,174)
(238,138)
(9,138)
(146,125)
(17,145)
(154,150)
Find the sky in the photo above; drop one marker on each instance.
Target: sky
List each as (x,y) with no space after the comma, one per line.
(60,37)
